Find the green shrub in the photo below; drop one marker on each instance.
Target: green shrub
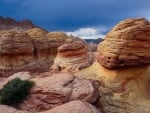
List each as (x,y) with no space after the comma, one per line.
(15,91)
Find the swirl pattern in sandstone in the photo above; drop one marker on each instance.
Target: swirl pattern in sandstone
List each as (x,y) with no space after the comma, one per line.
(127,44)
(72,56)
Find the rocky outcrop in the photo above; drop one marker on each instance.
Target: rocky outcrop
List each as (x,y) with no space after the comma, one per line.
(127,44)
(9,23)
(74,107)
(123,68)
(72,56)
(33,50)
(8,109)
(20,75)
(121,90)
(92,47)
(58,89)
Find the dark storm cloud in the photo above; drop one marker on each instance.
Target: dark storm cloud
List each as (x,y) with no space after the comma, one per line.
(73,14)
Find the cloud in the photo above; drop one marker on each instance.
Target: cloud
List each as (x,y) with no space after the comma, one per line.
(69,15)
(89,32)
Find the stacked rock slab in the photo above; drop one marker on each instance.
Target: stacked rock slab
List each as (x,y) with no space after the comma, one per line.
(55,90)
(32,50)
(72,56)
(127,44)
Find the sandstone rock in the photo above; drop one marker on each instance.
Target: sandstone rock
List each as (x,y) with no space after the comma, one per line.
(92,47)
(126,89)
(74,107)
(58,89)
(33,50)
(53,43)
(9,23)
(8,109)
(121,90)
(16,51)
(127,44)
(21,75)
(72,56)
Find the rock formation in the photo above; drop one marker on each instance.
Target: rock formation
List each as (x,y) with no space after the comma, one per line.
(8,109)
(127,44)
(74,107)
(123,68)
(32,50)
(58,89)
(9,23)
(72,56)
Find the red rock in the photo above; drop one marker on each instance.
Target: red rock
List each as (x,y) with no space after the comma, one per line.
(8,109)
(58,89)
(74,107)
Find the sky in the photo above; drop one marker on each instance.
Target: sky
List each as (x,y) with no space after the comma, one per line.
(83,18)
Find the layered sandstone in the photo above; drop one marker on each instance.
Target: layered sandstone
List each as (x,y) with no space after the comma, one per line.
(121,90)
(127,44)
(72,56)
(32,50)
(74,107)
(16,51)
(123,68)
(55,90)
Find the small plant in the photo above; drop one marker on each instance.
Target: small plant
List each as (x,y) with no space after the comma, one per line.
(15,91)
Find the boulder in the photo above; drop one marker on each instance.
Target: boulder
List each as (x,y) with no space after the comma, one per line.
(74,107)
(127,44)
(72,56)
(8,109)
(58,89)
(20,75)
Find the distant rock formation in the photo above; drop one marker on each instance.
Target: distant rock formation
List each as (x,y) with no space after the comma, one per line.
(55,90)
(74,107)
(95,41)
(127,44)
(9,23)
(72,56)
(31,50)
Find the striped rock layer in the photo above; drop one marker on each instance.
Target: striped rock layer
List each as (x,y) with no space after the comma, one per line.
(127,44)
(72,56)
(32,50)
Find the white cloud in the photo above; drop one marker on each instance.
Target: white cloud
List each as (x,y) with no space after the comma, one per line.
(89,32)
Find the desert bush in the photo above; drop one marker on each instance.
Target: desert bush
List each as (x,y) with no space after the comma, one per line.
(15,91)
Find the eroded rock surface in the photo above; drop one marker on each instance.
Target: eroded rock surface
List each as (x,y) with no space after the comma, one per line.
(74,107)
(8,109)
(127,44)
(9,23)
(58,89)
(72,56)
(33,50)
(123,68)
